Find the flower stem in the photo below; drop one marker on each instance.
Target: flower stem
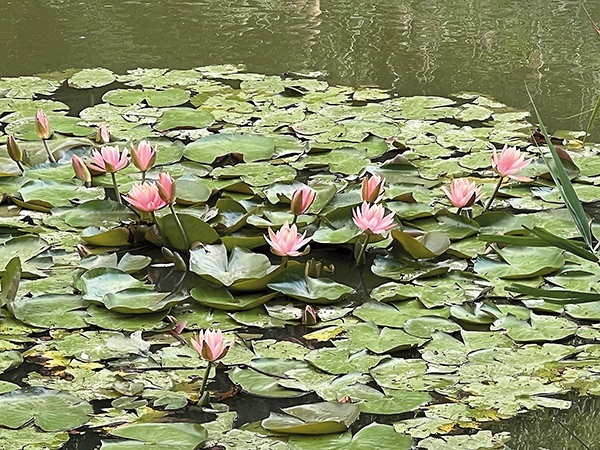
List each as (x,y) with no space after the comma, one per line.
(489,203)
(157,223)
(205,379)
(20,166)
(360,259)
(186,241)
(116,187)
(50,155)
(284,261)
(143,176)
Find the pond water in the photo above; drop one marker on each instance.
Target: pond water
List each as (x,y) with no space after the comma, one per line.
(415,47)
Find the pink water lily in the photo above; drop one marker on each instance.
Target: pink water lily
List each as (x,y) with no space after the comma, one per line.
(372,189)
(144,156)
(167,188)
(286,241)
(42,126)
(210,345)
(371,220)
(108,160)
(145,197)
(509,163)
(302,199)
(463,192)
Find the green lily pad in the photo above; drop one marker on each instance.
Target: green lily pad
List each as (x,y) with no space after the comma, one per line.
(157,436)
(50,410)
(316,418)
(293,283)
(96,283)
(252,147)
(176,118)
(89,78)
(140,301)
(51,311)
(220,298)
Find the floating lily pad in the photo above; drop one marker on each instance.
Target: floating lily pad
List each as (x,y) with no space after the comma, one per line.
(317,418)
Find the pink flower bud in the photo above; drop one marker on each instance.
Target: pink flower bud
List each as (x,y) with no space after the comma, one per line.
(102,136)
(210,345)
(167,188)
(42,127)
(302,199)
(372,189)
(14,150)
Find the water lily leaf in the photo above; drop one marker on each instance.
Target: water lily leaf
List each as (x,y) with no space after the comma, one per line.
(539,328)
(158,436)
(89,78)
(316,418)
(430,245)
(196,230)
(114,237)
(51,311)
(521,262)
(96,213)
(10,281)
(176,118)
(483,440)
(261,385)
(339,361)
(257,174)
(212,263)
(9,360)
(293,283)
(27,87)
(29,438)
(140,301)
(220,298)
(109,320)
(131,263)
(96,283)
(426,326)
(252,147)
(25,247)
(50,193)
(50,410)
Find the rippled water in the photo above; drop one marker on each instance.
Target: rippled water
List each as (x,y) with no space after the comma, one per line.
(414,47)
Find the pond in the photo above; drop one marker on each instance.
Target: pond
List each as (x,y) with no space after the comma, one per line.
(462,321)
(414,47)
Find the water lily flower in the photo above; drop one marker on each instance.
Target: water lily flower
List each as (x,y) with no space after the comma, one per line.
(371,220)
(145,197)
(144,156)
(109,160)
(509,163)
(102,135)
(372,189)
(167,188)
(302,199)
(210,345)
(463,192)
(178,326)
(42,126)
(286,241)
(81,170)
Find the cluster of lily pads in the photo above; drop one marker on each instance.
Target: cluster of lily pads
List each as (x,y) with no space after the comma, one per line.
(155,298)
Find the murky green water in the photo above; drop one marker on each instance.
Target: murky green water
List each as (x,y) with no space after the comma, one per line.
(415,47)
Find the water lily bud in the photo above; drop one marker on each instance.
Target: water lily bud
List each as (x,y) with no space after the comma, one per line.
(102,135)
(144,156)
(309,316)
(302,199)
(14,150)
(345,399)
(81,170)
(42,126)
(167,188)
(83,251)
(313,268)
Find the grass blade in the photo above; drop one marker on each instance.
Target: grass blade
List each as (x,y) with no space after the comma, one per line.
(563,183)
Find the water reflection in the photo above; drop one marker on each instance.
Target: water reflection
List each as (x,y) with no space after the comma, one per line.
(415,47)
